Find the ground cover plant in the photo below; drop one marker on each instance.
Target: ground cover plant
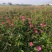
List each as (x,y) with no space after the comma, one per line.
(26,29)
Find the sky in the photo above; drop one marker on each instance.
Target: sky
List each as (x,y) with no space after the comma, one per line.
(33,2)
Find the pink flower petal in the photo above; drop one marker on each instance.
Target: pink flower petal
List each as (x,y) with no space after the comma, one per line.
(2,23)
(31,44)
(39,48)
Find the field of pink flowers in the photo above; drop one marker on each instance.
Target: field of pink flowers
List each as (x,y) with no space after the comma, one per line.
(26,29)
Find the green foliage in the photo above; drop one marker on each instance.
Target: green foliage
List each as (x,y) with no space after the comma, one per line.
(26,31)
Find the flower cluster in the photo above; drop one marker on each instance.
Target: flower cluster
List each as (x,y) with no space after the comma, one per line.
(8,21)
(24,36)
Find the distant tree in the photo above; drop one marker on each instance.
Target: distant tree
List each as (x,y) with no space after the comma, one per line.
(47,4)
(10,3)
(3,3)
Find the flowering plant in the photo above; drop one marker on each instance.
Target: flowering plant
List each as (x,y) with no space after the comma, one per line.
(24,36)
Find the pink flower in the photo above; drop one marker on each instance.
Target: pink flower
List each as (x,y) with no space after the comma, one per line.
(29,19)
(29,22)
(8,21)
(6,18)
(23,17)
(31,44)
(43,24)
(12,24)
(2,23)
(39,48)
(36,31)
(31,25)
